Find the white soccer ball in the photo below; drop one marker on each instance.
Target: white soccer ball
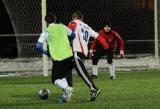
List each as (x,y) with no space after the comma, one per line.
(44,94)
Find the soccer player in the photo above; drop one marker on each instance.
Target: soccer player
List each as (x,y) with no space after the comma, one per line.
(97,51)
(80,49)
(56,36)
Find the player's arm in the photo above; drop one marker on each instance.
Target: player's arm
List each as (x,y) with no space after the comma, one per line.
(72,25)
(121,43)
(70,33)
(99,38)
(39,44)
(103,42)
(93,45)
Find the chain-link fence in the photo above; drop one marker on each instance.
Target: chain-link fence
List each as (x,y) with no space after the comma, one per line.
(133,19)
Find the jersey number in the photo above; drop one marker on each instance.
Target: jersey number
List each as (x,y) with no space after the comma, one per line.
(85,34)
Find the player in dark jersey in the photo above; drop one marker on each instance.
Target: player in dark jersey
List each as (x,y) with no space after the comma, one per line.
(114,41)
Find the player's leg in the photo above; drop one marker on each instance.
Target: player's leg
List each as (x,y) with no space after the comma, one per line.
(96,56)
(67,70)
(111,65)
(95,59)
(83,73)
(59,70)
(69,78)
(58,74)
(70,66)
(68,63)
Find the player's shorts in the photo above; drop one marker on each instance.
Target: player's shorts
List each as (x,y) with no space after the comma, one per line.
(62,68)
(99,53)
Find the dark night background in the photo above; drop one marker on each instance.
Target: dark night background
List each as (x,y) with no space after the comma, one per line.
(7,44)
(133,19)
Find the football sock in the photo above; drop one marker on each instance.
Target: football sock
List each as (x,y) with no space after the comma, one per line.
(95,70)
(60,83)
(112,69)
(64,80)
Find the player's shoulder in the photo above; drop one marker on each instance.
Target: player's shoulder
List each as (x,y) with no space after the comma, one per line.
(114,32)
(85,25)
(72,22)
(60,25)
(72,25)
(101,31)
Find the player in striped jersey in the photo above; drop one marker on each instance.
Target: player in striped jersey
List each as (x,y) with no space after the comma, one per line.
(80,49)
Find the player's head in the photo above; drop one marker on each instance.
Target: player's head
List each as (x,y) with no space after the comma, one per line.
(107,26)
(50,18)
(77,15)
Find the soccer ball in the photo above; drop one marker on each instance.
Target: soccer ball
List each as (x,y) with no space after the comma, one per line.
(44,94)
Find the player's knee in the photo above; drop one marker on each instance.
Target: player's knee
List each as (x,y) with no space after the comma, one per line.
(110,61)
(95,62)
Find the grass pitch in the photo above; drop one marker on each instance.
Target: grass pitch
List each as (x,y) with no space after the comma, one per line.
(131,90)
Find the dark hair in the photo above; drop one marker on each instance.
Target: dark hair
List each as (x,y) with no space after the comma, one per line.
(107,23)
(77,14)
(50,18)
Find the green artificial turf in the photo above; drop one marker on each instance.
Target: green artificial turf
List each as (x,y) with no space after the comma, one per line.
(130,90)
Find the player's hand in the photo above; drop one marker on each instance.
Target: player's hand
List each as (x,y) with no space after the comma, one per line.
(45,52)
(40,49)
(90,53)
(121,54)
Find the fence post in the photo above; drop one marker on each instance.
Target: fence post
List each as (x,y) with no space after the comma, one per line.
(45,58)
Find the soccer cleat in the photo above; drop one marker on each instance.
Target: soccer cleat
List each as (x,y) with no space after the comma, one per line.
(62,99)
(112,77)
(67,93)
(94,94)
(93,76)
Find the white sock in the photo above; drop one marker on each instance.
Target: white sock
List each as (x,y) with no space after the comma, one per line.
(95,70)
(61,83)
(111,69)
(64,80)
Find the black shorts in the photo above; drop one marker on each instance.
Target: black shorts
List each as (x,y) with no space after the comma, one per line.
(101,52)
(62,68)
